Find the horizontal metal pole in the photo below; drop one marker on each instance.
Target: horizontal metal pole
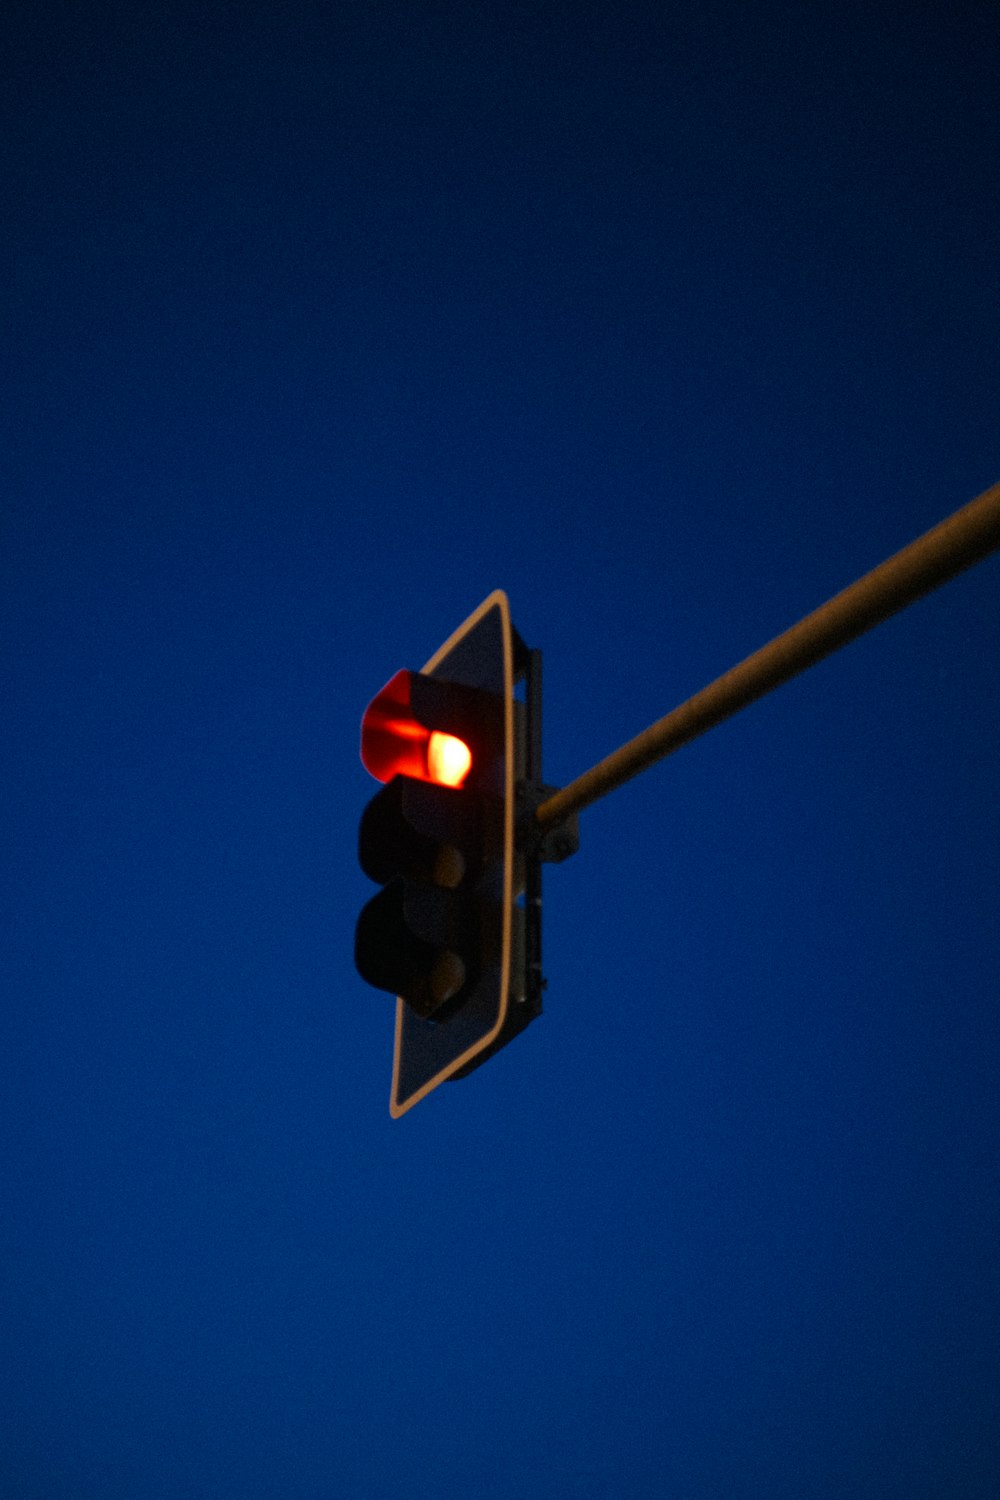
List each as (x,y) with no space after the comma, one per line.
(964,538)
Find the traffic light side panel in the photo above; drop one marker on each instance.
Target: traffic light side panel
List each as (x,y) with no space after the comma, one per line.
(480,654)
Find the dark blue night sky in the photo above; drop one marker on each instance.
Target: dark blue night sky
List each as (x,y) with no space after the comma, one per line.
(322,321)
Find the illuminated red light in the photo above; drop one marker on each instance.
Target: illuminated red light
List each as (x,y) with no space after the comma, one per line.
(394,743)
(449,759)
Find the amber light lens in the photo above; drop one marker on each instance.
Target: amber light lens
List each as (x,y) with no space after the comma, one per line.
(449,759)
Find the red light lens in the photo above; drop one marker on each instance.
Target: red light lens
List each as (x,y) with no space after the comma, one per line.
(394,743)
(449,759)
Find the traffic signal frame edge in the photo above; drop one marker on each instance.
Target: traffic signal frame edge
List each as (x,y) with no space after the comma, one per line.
(466,1059)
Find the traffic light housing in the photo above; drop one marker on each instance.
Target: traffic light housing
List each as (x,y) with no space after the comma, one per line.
(447,934)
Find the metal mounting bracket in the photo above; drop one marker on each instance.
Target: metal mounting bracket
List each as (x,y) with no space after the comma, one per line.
(551,845)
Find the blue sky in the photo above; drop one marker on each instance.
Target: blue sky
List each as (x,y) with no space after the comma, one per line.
(324,321)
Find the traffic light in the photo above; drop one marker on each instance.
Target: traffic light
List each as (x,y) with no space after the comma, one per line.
(447,934)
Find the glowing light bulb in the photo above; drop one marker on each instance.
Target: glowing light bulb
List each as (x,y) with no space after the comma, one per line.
(449,759)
